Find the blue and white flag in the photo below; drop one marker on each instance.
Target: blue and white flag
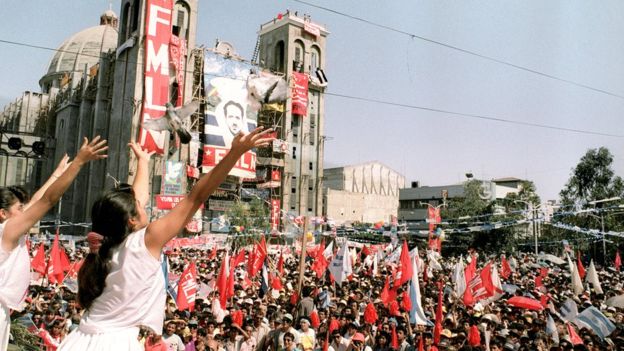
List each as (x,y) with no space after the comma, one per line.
(417,315)
(569,310)
(593,319)
(340,267)
(551,329)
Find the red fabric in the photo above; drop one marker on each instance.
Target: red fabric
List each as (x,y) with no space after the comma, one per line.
(213,253)
(333,325)
(538,281)
(394,341)
(393,308)
(95,241)
(365,251)
(470,270)
(474,337)
(505,268)
(575,339)
(405,266)
(385,293)
(421,344)
(276,282)
(159,346)
(425,275)
(259,257)
(468,299)
(618,261)
(543,272)
(406,303)
(187,288)
(38,262)
(238,259)
(579,264)
(320,265)
(315,321)
(55,266)
(525,302)
(222,283)
(280,264)
(64,260)
(370,313)
(74,269)
(437,330)
(544,300)
(294,297)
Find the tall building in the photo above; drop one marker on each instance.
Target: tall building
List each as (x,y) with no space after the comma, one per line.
(364,193)
(293,45)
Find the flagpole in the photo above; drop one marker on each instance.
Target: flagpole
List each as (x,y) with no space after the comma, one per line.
(303,254)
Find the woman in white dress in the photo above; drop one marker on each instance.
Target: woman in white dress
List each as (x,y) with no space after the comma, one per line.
(16,219)
(122,287)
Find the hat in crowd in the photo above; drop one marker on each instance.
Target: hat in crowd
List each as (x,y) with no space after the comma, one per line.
(447,333)
(358,337)
(287,317)
(342,302)
(304,320)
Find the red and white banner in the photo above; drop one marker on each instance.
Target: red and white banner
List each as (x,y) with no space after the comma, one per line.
(167,202)
(245,167)
(156,83)
(311,28)
(300,94)
(276,175)
(275,214)
(177,51)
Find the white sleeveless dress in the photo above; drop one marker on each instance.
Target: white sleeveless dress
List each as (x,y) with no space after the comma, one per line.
(14,281)
(134,295)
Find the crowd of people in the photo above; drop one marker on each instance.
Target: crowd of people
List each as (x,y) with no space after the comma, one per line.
(331,316)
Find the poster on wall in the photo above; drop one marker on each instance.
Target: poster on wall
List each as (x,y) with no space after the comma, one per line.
(300,94)
(228,111)
(275,214)
(174,177)
(156,74)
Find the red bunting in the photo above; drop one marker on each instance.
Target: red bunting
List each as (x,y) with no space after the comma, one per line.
(370,313)
(230,283)
(38,262)
(64,260)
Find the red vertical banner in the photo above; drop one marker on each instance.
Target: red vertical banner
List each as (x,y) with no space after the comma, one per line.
(156,79)
(275,214)
(300,94)
(177,52)
(275,175)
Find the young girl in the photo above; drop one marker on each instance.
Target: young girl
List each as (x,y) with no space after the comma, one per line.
(122,285)
(16,219)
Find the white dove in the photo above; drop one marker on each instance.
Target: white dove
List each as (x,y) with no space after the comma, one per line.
(173,121)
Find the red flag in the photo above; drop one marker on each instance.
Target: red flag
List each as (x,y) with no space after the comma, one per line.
(231,280)
(250,262)
(437,330)
(276,282)
(538,281)
(333,325)
(237,318)
(259,257)
(38,262)
(544,300)
(393,308)
(395,339)
(238,259)
(320,265)
(213,253)
(421,345)
(74,269)
(280,264)
(406,303)
(64,260)
(618,261)
(55,266)
(468,298)
(187,288)
(294,297)
(575,339)
(543,272)
(370,313)
(505,268)
(222,282)
(315,321)
(474,337)
(470,270)
(385,293)
(579,264)
(405,266)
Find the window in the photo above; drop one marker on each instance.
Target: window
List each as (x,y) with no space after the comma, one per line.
(315,59)
(125,16)
(135,16)
(293,190)
(298,62)
(310,166)
(181,20)
(294,152)
(278,59)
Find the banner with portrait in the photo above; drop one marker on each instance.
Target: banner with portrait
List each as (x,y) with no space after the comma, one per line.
(228,111)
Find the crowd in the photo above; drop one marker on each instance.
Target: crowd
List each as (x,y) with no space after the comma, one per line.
(356,315)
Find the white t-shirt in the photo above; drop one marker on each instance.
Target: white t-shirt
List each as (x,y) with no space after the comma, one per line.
(174,343)
(14,274)
(134,293)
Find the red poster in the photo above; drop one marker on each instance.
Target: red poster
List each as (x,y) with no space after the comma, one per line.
(275,175)
(275,214)
(245,167)
(156,84)
(300,94)
(177,52)
(167,202)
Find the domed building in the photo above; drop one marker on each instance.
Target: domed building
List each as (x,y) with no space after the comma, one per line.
(80,52)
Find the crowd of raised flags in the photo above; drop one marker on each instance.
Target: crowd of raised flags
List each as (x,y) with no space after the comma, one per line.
(438,302)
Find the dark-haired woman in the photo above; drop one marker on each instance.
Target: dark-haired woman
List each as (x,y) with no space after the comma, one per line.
(122,286)
(16,219)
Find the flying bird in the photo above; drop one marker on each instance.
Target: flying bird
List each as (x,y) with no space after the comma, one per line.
(173,121)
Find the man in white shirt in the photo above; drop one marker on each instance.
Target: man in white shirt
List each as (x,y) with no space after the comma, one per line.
(173,341)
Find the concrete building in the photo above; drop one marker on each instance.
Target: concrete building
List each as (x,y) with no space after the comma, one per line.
(366,193)
(413,201)
(288,44)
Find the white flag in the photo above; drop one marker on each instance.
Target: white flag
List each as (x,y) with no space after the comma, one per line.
(329,251)
(417,315)
(433,262)
(577,283)
(459,278)
(340,266)
(592,277)
(551,329)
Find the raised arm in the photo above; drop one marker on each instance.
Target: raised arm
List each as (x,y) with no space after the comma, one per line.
(60,168)
(164,229)
(21,223)
(141,178)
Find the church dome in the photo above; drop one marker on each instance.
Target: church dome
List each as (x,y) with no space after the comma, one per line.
(81,49)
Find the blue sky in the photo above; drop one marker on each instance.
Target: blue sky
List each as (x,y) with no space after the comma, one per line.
(579,41)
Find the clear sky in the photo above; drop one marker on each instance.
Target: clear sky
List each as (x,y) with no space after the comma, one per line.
(580,41)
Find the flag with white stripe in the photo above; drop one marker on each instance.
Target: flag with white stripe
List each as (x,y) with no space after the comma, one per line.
(569,310)
(593,319)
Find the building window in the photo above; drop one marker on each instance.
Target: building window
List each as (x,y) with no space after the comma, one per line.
(294,152)
(135,16)
(310,165)
(293,190)
(298,62)
(278,59)
(315,59)
(181,20)
(125,18)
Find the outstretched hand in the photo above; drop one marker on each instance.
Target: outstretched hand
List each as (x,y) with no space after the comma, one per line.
(94,150)
(244,142)
(139,152)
